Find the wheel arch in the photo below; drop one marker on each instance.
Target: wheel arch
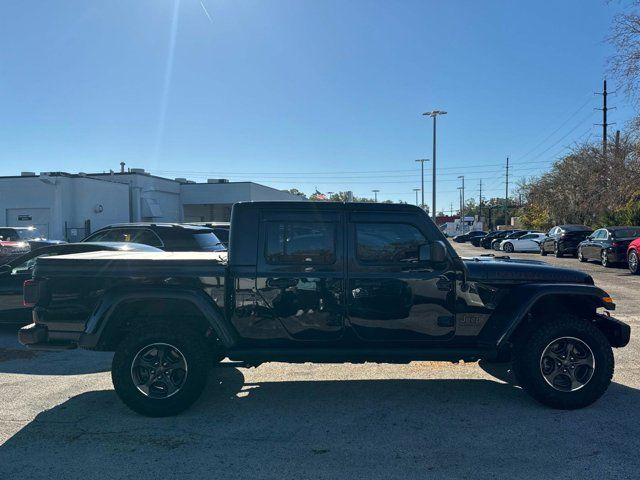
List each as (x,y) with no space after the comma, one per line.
(529,304)
(119,312)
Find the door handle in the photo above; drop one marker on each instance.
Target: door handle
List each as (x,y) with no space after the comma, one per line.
(282,282)
(360,293)
(444,284)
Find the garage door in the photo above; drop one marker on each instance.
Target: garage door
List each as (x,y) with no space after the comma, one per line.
(30,217)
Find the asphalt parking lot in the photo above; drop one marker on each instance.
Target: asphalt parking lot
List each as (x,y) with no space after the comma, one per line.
(59,417)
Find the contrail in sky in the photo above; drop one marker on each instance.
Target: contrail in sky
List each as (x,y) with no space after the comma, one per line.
(205,11)
(166,87)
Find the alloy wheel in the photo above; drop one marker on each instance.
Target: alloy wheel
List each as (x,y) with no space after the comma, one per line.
(604,258)
(567,364)
(159,370)
(633,262)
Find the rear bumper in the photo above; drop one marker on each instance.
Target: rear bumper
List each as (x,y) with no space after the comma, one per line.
(617,255)
(55,336)
(568,246)
(36,337)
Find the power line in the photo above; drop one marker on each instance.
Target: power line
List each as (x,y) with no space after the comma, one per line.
(588,100)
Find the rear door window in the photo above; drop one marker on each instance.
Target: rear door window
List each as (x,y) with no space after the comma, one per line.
(300,242)
(384,243)
(148,237)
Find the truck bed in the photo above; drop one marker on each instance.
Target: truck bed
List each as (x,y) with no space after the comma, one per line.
(132,264)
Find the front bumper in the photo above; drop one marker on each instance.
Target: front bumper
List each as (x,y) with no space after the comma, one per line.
(618,333)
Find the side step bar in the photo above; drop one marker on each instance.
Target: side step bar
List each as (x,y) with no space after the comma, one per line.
(358,355)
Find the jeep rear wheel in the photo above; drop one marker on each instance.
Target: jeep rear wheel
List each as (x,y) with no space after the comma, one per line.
(565,363)
(160,371)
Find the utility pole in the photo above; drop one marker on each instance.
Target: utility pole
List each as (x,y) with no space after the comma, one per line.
(480,205)
(604,123)
(422,160)
(416,190)
(375,193)
(506,194)
(451,210)
(462,202)
(434,114)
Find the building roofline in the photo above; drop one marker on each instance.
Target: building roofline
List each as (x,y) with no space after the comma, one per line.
(57,174)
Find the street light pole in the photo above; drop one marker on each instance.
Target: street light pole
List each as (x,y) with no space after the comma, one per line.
(422,160)
(462,203)
(416,190)
(433,114)
(375,193)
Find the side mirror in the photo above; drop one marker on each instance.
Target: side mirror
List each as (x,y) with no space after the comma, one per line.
(5,269)
(435,252)
(589,237)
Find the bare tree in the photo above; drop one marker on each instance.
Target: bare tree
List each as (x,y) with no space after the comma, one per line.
(625,38)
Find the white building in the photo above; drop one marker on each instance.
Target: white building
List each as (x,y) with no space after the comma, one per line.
(70,206)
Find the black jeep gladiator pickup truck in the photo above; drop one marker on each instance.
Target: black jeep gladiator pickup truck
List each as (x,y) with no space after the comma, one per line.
(323,282)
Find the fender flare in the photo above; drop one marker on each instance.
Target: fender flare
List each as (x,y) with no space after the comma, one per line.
(513,309)
(112,300)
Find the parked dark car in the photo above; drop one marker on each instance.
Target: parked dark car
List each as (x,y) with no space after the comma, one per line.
(485,242)
(221,230)
(608,245)
(497,240)
(10,250)
(323,282)
(564,239)
(475,241)
(465,237)
(170,237)
(14,273)
(31,235)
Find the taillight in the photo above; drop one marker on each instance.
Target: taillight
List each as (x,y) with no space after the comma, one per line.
(617,244)
(30,292)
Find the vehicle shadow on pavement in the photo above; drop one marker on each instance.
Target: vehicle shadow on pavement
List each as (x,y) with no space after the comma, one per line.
(16,358)
(387,428)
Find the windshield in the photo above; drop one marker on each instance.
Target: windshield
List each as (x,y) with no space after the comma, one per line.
(222,234)
(209,242)
(29,234)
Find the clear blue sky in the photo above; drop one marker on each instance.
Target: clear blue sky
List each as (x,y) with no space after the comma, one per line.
(302,93)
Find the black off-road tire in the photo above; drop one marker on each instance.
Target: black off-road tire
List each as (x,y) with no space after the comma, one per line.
(527,362)
(195,351)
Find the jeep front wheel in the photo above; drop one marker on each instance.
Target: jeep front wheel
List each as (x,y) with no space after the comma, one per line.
(159,371)
(566,363)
